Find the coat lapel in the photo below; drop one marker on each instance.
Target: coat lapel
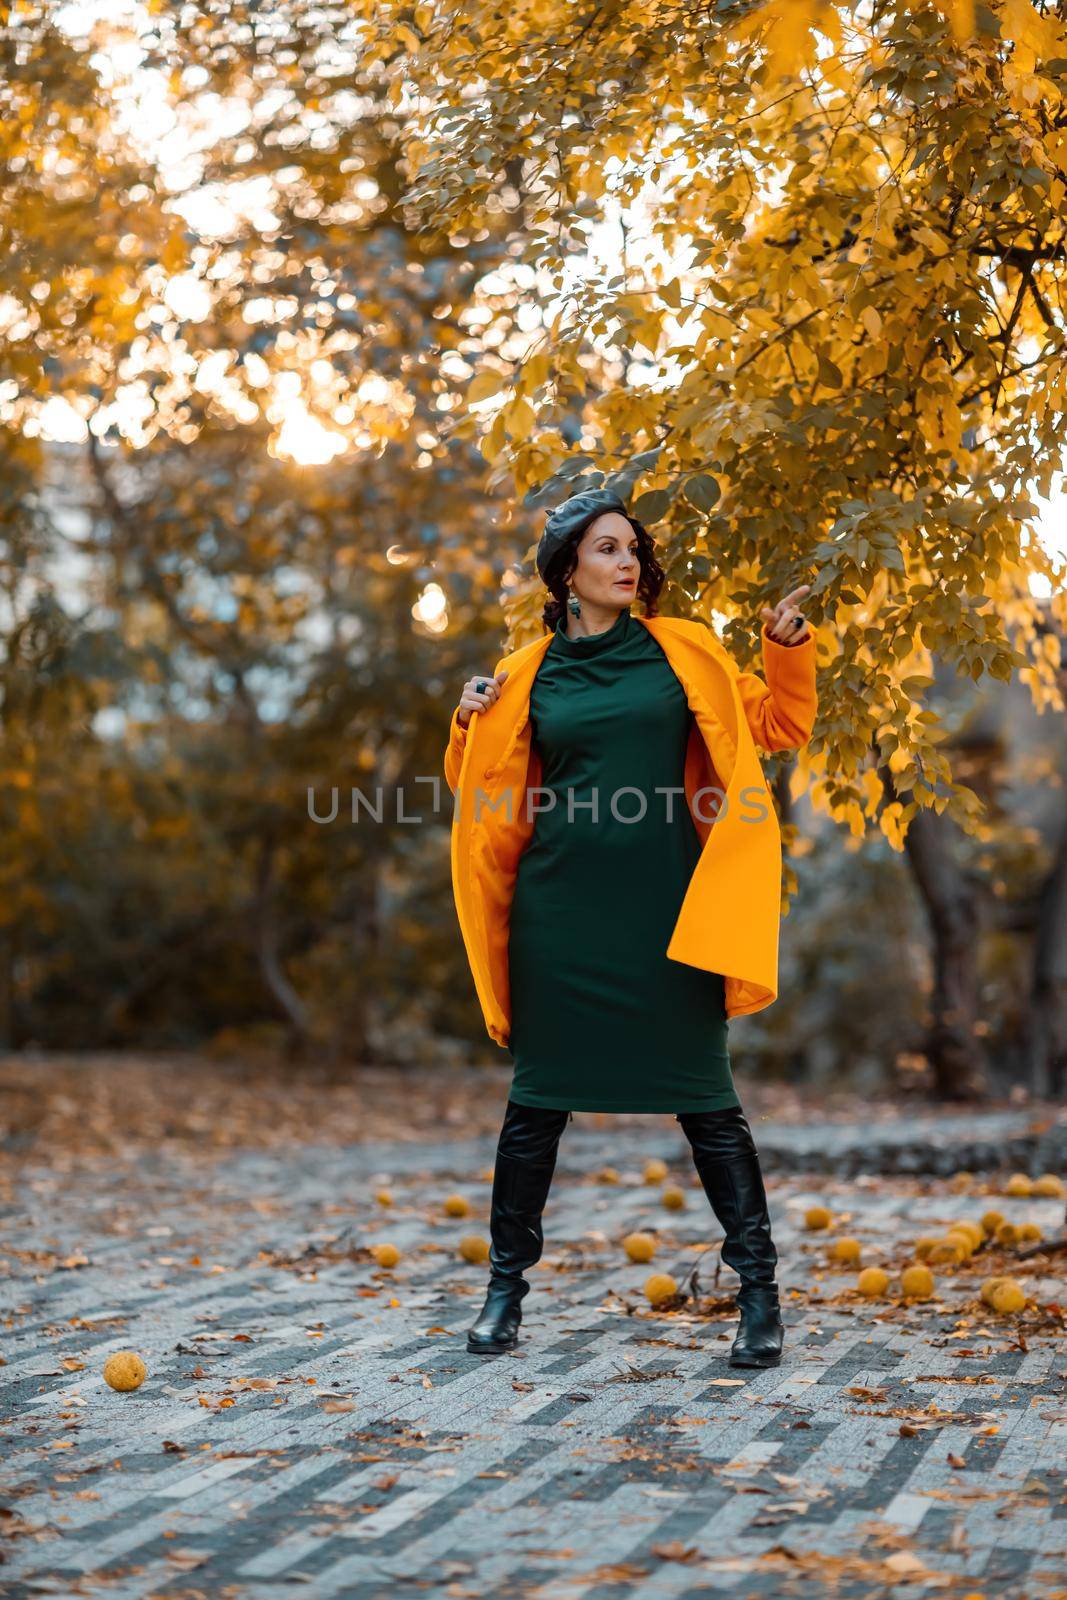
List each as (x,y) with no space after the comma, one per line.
(729,918)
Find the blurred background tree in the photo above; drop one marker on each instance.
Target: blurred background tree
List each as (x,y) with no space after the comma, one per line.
(239,547)
(307,312)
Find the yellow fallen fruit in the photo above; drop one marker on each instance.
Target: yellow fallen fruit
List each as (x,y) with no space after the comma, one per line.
(660,1288)
(1018,1183)
(1048,1186)
(960,1181)
(607,1175)
(846,1251)
(472,1247)
(1007,1234)
(988,1287)
(655,1170)
(872,1282)
(1007,1297)
(1028,1233)
(125,1370)
(991,1222)
(383,1197)
(456,1205)
(924,1246)
(639,1246)
(974,1231)
(946,1250)
(964,1239)
(917,1283)
(817,1217)
(386,1255)
(674,1198)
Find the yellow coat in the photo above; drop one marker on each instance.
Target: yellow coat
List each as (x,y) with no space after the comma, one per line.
(729,918)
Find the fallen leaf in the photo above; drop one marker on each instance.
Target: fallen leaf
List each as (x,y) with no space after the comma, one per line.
(904,1562)
(677,1551)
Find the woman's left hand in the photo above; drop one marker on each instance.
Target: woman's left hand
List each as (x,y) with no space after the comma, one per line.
(781,619)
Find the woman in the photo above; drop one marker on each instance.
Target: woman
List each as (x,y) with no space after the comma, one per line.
(611,937)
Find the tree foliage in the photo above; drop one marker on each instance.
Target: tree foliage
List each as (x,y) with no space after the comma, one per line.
(215,598)
(837,355)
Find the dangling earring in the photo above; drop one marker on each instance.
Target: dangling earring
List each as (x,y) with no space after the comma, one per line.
(573,605)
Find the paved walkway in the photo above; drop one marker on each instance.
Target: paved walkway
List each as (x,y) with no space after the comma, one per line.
(312,1421)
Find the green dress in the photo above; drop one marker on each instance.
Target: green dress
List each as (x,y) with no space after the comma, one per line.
(601,1019)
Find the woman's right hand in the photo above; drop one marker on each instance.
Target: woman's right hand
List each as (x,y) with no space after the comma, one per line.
(475,699)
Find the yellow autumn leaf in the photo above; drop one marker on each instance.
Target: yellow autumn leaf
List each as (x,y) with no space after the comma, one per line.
(788,41)
(960,14)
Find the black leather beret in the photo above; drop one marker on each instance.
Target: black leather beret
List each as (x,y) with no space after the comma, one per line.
(573,517)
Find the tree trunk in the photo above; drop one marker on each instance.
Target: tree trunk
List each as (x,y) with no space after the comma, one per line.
(267,948)
(953,905)
(348,1047)
(1046,1050)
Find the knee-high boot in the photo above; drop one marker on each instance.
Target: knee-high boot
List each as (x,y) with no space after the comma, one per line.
(726,1159)
(522,1176)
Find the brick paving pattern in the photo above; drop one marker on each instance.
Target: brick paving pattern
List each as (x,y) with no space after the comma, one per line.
(312,1421)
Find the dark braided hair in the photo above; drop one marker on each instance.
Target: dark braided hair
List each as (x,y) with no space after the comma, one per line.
(564,561)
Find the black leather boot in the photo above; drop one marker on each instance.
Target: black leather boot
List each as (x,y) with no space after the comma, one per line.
(725,1156)
(522,1176)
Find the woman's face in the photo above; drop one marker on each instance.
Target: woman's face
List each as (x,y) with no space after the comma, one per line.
(607,568)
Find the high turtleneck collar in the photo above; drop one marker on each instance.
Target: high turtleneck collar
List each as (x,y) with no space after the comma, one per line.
(591,644)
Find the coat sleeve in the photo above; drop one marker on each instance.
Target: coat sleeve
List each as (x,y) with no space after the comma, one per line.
(781,710)
(457,740)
